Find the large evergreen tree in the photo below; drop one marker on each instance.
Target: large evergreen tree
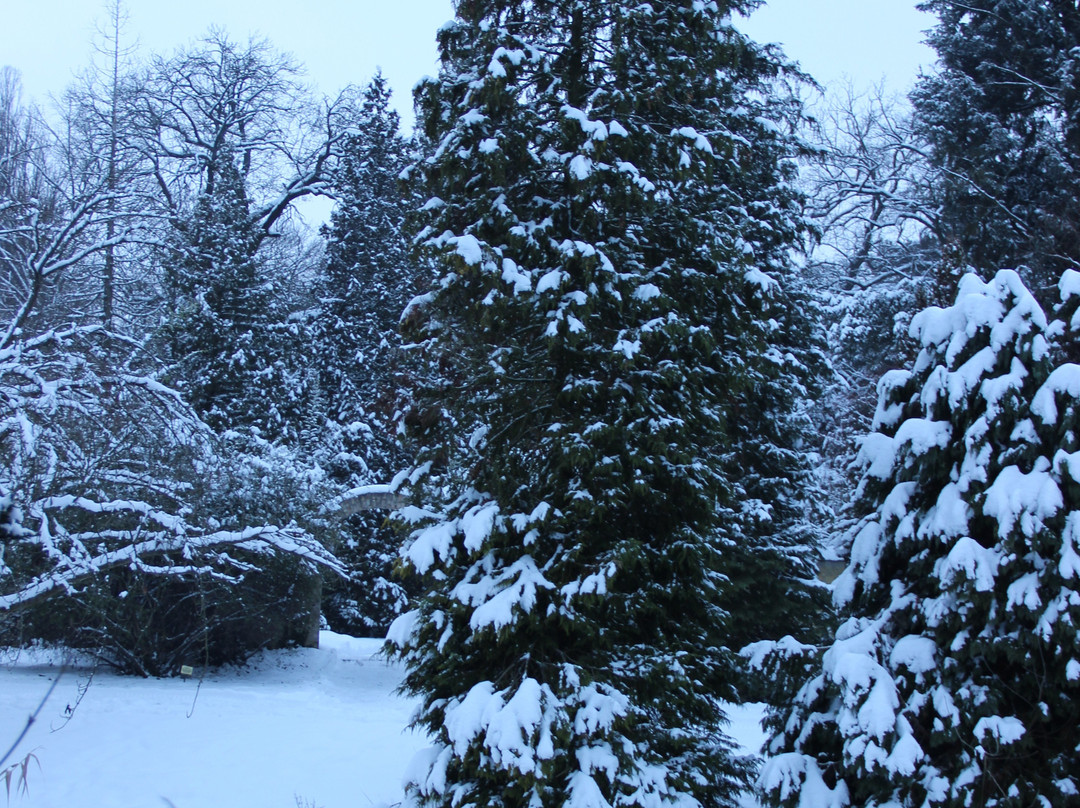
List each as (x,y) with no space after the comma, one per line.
(369,276)
(368,279)
(610,210)
(235,361)
(955,680)
(1002,116)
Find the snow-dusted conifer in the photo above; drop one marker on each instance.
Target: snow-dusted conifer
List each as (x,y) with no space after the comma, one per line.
(955,679)
(364,287)
(233,359)
(609,211)
(368,277)
(234,141)
(1001,115)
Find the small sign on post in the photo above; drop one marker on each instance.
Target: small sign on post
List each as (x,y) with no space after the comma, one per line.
(186,671)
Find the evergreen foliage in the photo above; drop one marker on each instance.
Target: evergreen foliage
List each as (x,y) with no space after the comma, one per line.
(955,679)
(607,427)
(1002,116)
(369,277)
(231,137)
(234,360)
(233,141)
(367,282)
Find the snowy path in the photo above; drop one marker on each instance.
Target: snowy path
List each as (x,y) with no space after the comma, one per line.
(319,726)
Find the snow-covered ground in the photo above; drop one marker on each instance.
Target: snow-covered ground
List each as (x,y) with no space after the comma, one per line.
(315,728)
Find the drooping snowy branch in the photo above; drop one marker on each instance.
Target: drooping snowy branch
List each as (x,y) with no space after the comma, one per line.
(105,467)
(181,556)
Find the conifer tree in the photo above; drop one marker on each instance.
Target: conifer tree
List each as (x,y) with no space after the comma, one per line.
(368,277)
(366,283)
(232,359)
(1002,117)
(955,680)
(610,213)
(233,140)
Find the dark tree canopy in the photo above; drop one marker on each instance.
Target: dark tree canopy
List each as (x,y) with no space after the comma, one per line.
(610,212)
(1002,117)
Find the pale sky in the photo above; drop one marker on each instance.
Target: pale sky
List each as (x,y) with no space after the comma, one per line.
(861,40)
(342,41)
(339,42)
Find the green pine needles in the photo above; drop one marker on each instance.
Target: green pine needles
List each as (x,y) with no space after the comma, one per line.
(611,214)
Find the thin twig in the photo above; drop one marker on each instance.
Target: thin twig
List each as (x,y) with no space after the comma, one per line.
(34,715)
(69,710)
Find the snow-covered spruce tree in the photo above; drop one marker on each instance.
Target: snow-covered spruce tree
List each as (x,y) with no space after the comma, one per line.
(369,276)
(955,680)
(608,200)
(368,279)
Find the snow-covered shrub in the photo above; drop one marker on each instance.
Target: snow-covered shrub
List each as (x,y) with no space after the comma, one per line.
(955,679)
(123,515)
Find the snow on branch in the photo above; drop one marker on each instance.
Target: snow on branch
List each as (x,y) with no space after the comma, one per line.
(139,555)
(104,467)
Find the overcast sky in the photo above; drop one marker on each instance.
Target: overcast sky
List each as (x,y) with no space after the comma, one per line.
(342,41)
(861,40)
